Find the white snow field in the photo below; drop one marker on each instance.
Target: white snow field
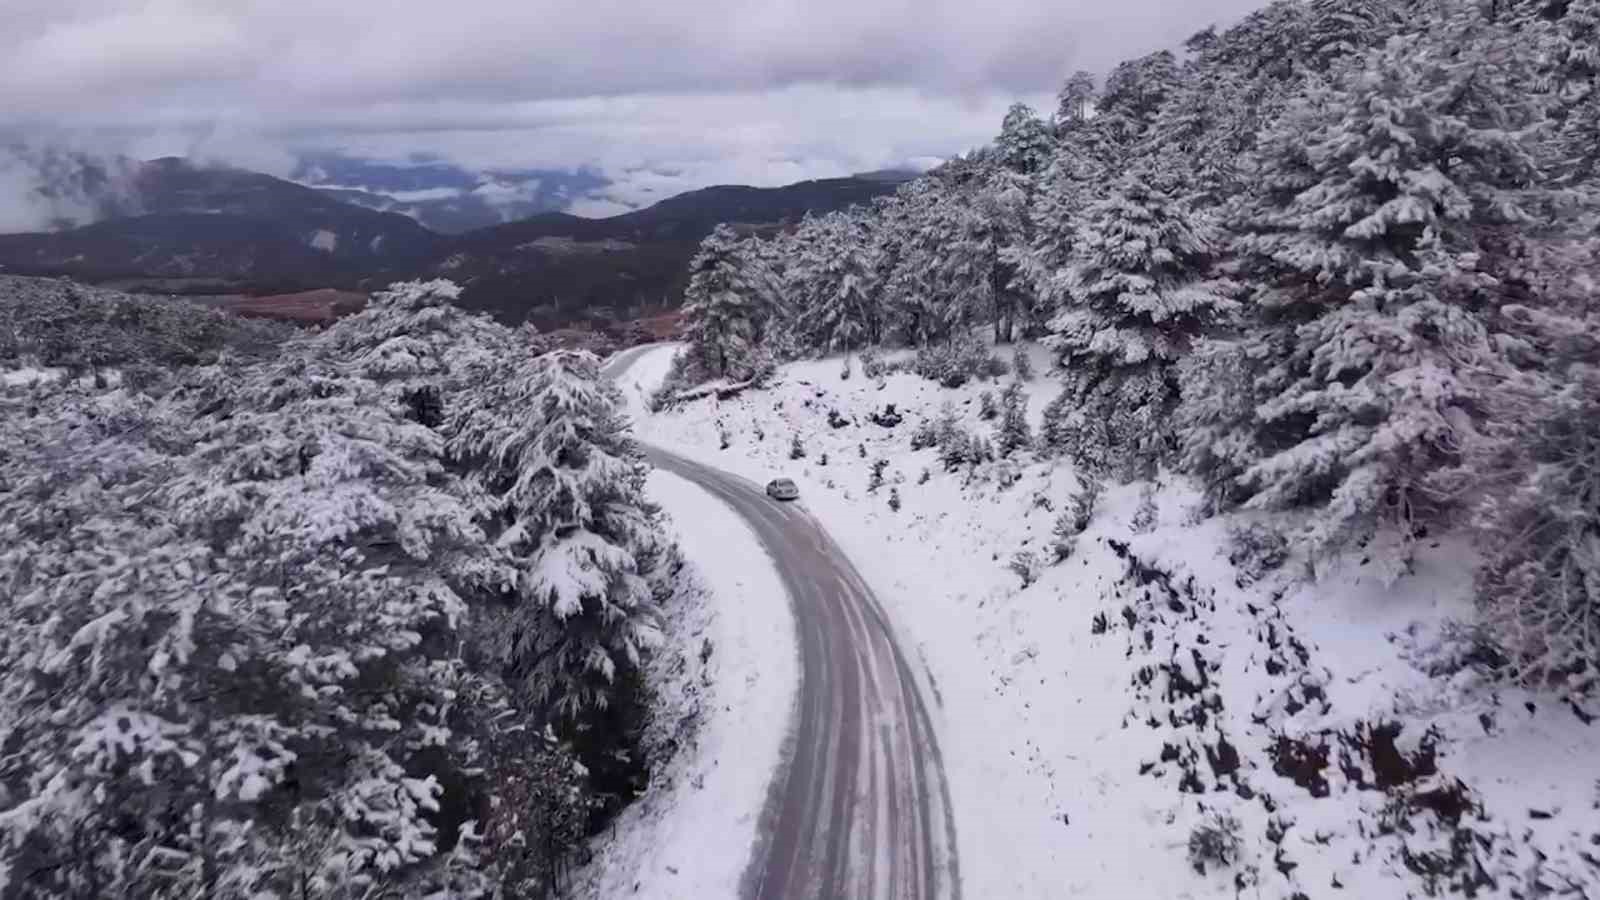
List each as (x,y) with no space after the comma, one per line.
(736,670)
(1308,738)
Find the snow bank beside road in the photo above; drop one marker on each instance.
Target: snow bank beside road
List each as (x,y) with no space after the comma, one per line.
(691,836)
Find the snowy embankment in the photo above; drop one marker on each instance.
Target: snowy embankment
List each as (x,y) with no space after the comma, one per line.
(732,665)
(1140,722)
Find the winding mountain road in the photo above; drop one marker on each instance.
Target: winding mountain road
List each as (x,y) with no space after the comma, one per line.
(860,807)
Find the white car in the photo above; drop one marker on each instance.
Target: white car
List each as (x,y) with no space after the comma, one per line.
(782,489)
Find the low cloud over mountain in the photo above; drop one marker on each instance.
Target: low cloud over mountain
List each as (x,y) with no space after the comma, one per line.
(722,92)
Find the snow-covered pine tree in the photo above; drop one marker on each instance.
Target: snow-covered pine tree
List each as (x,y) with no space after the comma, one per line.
(969,249)
(1013,432)
(1041,266)
(1074,101)
(1367,231)
(1343,30)
(1134,93)
(1538,522)
(726,307)
(1140,291)
(1266,45)
(420,346)
(1025,144)
(1207,124)
(916,296)
(342,510)
(1057,424)
(1568,69)
(243,681)
(838,307)
(565,489)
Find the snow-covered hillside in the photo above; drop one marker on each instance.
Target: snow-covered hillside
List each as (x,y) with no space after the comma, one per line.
(1140,719)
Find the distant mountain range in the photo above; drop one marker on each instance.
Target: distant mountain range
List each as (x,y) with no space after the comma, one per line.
(175,227)
(445,197)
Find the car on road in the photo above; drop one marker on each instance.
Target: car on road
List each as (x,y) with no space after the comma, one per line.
(782,489)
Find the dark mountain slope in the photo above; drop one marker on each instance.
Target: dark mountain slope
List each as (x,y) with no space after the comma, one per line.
(554,268)
(216,230)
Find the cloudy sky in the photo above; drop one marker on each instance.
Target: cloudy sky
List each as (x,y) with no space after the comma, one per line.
(669,93)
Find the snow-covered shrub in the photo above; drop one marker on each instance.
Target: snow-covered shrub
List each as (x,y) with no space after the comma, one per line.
(1013,432)
(680,376)
(894,499)
(926,435)
(1081,505)
(1215,842)
(872,364)
(957,362)
(1022,363)
(957,448)
(1254,549)
(888,417)
(876,481)
(1006,473)
(987,409)
(1025,565)
(1055,428)
(923,478)
(1145,515)
(1074,519)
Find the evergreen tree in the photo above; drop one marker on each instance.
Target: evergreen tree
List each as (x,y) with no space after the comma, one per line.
(1075,100)
(1208,123)
(565,489)
(1025,143)
(1041,267)
(1139,294)
(1339,30)
(1569,67)
(730,299)
(1134,93)
(1538,522)
(414,340)
(1369,232)
(918,296)
(1013,432)
(229,643)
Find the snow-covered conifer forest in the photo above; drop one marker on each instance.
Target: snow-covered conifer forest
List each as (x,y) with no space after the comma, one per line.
(1246,509)
(1336,260)
(355,613)
(1223,446)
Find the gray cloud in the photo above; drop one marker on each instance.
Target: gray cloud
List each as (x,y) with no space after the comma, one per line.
(720,90)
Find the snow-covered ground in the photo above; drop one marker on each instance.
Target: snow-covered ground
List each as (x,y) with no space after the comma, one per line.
(734,666)
(1094,722)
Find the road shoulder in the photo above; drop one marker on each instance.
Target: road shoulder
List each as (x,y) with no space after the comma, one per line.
(693,834)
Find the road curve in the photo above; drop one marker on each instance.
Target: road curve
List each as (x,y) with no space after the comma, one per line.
(860,807)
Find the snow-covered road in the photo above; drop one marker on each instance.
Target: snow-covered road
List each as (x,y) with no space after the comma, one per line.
(861,808)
